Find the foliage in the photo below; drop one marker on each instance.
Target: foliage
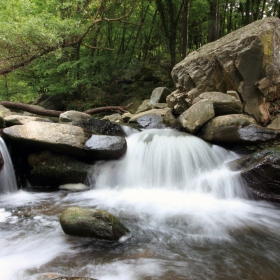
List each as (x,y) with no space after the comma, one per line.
(71,46)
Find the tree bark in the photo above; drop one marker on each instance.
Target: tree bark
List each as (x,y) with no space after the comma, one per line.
(54,113)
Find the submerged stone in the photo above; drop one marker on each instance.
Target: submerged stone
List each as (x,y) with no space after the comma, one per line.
(93,223)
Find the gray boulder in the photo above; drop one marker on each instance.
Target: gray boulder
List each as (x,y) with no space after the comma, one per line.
(2,122)
(4,112)
(159,95)
(224,104)
(275,124)
(106,147)
(246,61)
(260,171)
(155,118)
(236,128)
(93,223)
(196,116)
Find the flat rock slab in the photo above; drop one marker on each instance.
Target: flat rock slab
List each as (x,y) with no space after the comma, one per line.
(20,120)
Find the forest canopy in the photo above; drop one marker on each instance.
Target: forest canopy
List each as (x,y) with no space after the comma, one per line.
(70,46)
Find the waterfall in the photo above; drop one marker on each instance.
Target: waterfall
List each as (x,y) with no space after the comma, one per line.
(7,177)
(169,159)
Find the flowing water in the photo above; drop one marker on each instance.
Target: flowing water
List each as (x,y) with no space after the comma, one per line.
(189,218)
(7,177)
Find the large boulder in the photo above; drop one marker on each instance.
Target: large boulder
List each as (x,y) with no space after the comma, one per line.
(49,169)
(155,118)
(224,104)
(93,223)
(261,173)
(196,116)
(2,122)
(236,129)
(246,60)
(64,139)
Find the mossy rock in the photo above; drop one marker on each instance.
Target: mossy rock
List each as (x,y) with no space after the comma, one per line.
(47,168)
(93,223)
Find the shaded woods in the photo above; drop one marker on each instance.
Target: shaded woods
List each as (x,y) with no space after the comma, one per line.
(73,47)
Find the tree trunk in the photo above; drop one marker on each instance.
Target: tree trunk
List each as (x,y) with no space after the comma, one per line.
(185,34)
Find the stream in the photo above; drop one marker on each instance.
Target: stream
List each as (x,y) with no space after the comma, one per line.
(189,218)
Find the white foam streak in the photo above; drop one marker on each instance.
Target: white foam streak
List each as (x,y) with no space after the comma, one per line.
(7,177)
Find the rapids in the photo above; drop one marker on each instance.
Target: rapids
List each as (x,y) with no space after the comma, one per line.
(189,217)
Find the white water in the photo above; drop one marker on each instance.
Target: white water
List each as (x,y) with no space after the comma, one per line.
(189,217)
(7,177)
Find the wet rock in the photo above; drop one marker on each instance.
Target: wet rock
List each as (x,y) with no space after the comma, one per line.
(260,171)
(103,127)
(196,116)
(159,95)
(1,161)
(106,147)
(20,120)
(224,104)
(155,118)
(93,223)
(236,128)
(246,61)
(73,116)
(49,169)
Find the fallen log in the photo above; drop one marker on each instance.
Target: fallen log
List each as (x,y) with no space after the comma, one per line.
(54,113)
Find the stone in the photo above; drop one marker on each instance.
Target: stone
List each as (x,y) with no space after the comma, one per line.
(246,61)
(92,223)
(260,172)
(224,104)
(96,126)
(127,116)
(73,278)
(54,102)
(106,147)
(4,112)
(160,106)
(145,106)
(113,118)
(179,101)
(159,95)
(20,120)
(1,161)
(275,124)
(73,116)
(155,118)
(59,138)
(2,122)
(238,129)
(196,116)
(50,169)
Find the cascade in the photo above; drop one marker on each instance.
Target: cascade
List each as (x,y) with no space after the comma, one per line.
(7,177)
(170,159)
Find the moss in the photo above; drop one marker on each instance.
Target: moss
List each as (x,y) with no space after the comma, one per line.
(54,165)
(267,43)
